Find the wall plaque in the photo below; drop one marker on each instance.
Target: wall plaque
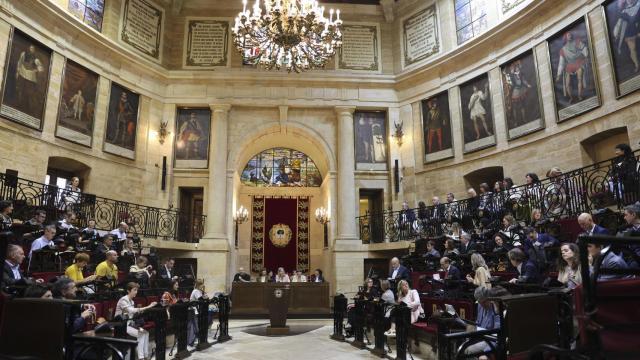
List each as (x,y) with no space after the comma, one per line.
(359,49)
(141,26)
(420,33)
(206,43)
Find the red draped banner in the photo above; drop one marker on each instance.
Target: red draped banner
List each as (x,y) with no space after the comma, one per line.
(280,233)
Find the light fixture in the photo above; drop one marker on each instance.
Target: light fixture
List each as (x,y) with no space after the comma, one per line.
(291,33)
(322,216)
(163,132)
(398,133)
(241,215)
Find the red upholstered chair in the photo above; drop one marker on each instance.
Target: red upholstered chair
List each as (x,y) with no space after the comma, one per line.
(140,301)
(616,321)
(109,309)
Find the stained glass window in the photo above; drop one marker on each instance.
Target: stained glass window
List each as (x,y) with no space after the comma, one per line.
(91,12)
(471,18)
(281,167)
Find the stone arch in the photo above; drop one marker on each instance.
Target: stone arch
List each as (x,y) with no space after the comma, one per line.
(599,146)
(69,167)
(489,175)
(297,137)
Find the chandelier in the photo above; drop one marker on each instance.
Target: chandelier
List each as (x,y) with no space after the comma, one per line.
(293,34)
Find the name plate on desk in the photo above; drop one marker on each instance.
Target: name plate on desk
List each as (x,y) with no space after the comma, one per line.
(304,298)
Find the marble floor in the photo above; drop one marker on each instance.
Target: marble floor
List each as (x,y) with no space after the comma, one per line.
(311,345)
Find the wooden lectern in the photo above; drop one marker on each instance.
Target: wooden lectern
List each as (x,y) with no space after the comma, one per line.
(278,308)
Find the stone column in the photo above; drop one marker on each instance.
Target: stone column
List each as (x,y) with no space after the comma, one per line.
(346,181)
(216,228)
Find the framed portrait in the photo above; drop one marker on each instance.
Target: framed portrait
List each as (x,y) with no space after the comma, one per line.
(26,80)
(191,147)
(575,84)
(76,110)
(370,140)
(523,110)
(436,127)
(621,21)
(477,114)
(122,122)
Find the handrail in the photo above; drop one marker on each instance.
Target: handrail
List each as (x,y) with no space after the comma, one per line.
(604,184)
(146,221)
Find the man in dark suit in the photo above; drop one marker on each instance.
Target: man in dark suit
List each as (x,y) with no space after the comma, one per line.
(467,247)
(11,273)
(166,271)
(450,272)
(590,228)
(398,272)
(610,261)
(527,270)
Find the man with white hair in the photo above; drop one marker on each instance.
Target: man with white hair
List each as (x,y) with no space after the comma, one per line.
(586,223)
(121,232)
(398,272)
(11,273)
(466,245)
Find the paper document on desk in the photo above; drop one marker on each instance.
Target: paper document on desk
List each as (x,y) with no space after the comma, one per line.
(436,276)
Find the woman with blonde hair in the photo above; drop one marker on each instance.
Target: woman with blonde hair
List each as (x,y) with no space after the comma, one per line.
(412,299)
(481,275)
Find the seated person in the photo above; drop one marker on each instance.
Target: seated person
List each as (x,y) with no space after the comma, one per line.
(142,272)
(538,239)
(412,299)
(11,273)
(317,276)
(64,288)
(107,270)
(264,276)
(166,270)
(481,275)
(450,249)
(127,308)
(36,223)
(610,261)
(282,276)
(128,248)
(501,243)
(466,245)
(370,291)
(67,221)
(74,271)
(170,296)
(632,218)
(298,277)
(90,235)
(387,295)
(450,272)
(431,250)
(487,318)
(121,232)
(569,266)
(587,224)
(528,272)
(101,251)
(45,241)
(241,276)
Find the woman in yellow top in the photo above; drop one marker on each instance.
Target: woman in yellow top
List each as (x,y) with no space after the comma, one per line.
(482,276)
(74,272)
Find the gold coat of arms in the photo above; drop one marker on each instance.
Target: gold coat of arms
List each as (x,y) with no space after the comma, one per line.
(280,235)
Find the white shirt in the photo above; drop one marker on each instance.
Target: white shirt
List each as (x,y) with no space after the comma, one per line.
(395,273)
(118,234)
(285,278)
(302,278)
(15,269)
(40,243)
(65,225)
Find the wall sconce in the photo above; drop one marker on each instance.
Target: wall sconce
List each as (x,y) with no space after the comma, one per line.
(241,215)
(322,216)
(398,134)
(163,132)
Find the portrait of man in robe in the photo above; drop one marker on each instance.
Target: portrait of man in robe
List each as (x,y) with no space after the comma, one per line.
(623,28)
(26,80)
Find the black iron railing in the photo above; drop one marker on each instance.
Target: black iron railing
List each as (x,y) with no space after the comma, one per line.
(145,221)
(608,184)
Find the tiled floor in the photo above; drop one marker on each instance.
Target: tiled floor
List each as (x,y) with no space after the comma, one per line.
(312,345)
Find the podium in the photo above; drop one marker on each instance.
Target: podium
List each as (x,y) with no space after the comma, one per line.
(278,307)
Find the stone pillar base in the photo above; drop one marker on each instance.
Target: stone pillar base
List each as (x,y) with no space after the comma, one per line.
(213,267)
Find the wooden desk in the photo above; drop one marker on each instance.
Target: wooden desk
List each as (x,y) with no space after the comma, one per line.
(305,298)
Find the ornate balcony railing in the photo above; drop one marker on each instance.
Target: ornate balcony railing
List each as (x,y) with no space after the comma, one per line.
(606,184)
(145,221)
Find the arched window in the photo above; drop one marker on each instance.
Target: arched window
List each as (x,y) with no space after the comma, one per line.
(281,167)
